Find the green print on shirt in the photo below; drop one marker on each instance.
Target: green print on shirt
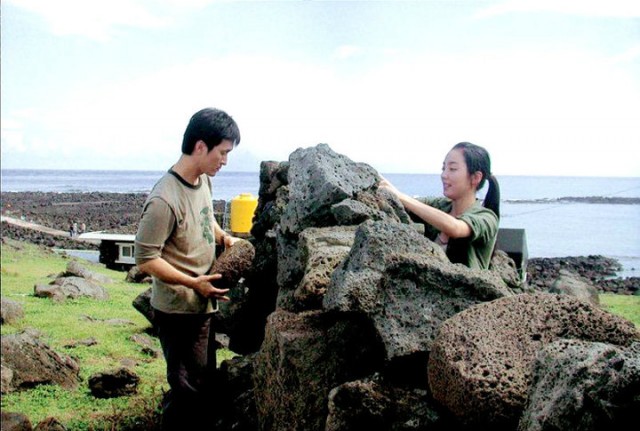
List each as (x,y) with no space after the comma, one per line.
(205,222)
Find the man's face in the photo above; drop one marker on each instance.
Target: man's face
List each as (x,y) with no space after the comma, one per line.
(215,159)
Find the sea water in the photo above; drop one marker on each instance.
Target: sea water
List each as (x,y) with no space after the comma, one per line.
(553,228)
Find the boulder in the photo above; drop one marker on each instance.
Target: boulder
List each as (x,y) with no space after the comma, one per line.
(585,386)
(71,287)
(354,284)
(148,345)
(570,283)
(418,293)
(236,394)
(50,424)
(303,356)
(114,383)
(10,311)
(233,263)
(142,303)
(305,268)
(318,179)
(134,275)
(405,285)
(370,404)
(75,269)
(31,362)
(506,268)
(13,421)
(481,360)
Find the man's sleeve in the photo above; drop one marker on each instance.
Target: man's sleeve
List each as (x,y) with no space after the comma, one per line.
(156,224)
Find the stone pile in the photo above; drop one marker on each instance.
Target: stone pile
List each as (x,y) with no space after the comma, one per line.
(350,316)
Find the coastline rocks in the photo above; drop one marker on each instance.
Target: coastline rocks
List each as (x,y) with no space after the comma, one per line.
(598,270)
(19,233)
(97,210)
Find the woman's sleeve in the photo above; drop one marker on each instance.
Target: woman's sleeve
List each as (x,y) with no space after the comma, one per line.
(483,223)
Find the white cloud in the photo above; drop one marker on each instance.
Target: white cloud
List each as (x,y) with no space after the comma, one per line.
(630,55)
(94,20)
(347,51)
(598,8)
(12,136)
(542,113)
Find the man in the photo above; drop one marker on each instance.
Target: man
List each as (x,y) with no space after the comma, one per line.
(175,244)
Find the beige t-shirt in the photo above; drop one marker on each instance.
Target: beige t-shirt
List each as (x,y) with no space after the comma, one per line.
(177,225)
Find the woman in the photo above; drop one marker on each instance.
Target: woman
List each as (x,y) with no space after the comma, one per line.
(464,228)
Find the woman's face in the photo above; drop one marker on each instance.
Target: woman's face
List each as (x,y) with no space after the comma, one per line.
(456,181)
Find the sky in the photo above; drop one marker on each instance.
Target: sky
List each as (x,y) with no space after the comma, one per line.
(548,87)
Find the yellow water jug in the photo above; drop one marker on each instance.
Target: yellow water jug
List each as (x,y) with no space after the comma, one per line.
(242,208)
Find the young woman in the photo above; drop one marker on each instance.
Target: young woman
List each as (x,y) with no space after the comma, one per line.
(465,228)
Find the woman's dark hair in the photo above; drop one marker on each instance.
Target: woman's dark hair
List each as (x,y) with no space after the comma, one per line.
(211,126)
(478,160)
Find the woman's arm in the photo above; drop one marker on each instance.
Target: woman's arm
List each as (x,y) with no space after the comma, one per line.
(445,223)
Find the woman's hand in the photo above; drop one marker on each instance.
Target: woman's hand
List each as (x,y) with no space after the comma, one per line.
(384,184)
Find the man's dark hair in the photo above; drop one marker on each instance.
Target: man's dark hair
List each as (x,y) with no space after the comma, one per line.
(211,126)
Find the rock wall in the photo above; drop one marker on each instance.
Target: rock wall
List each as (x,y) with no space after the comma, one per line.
(351,300)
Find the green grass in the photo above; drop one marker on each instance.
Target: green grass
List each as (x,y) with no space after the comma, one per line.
(60,323)
(622,305)
(23,265)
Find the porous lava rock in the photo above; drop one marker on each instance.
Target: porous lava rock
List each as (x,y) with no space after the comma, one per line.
(481,360)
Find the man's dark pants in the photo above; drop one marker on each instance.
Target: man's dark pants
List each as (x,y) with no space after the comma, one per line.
(189,349)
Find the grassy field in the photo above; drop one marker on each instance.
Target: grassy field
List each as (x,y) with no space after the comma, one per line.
(24,265)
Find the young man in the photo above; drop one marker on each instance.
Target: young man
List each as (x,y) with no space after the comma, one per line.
(175,244)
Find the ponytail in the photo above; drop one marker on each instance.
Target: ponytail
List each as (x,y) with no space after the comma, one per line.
(492,199)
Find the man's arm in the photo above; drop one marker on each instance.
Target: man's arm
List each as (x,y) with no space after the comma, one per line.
(163,270)
(156,223)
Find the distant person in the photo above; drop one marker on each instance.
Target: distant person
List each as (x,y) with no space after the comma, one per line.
(464,228)
(83,227)
(175,244)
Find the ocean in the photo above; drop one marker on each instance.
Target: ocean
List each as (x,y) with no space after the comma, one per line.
(553,228)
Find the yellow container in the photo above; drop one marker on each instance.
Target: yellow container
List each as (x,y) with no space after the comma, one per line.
(242,208)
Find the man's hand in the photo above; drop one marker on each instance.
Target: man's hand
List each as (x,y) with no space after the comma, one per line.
(203,285)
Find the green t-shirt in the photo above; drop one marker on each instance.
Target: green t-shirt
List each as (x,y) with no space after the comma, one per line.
(177,225)
(476,250)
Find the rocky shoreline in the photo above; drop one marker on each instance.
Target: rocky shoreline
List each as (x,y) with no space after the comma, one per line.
(119,213)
